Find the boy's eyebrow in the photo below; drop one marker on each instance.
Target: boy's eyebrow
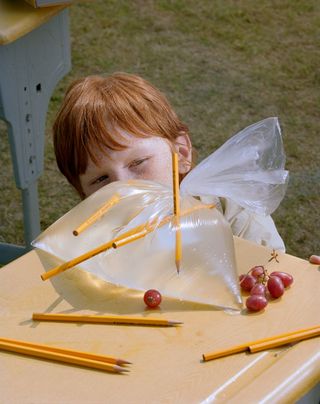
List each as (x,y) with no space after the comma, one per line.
(142,155)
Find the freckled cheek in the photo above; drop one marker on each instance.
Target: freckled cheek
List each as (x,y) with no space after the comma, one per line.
(161,170)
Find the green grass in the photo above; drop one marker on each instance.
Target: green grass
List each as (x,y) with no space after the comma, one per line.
(224,65)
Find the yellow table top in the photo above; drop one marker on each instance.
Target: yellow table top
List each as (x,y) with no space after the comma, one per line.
(17,18)
(166,362)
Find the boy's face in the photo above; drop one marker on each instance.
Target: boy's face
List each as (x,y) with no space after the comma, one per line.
(143,158)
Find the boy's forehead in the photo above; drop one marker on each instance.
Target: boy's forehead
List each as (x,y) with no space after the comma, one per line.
(125,138)
(130,140)
(133,147)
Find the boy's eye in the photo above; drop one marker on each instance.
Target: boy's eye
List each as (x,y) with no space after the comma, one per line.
(136,163)
(101,179)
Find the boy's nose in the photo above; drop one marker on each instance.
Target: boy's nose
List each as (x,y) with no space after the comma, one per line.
(121,175)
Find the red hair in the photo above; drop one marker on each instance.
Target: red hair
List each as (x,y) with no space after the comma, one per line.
(96,109)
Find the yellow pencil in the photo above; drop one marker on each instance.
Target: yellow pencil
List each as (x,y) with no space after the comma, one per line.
(69,264)
(97,215)
(66,357)
(81,354)
(289,339)
(89,254)
(104,319)
(176,209)
(248,345)
(129,236)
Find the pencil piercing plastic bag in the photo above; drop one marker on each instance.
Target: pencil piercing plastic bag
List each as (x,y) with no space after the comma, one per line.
(252,160)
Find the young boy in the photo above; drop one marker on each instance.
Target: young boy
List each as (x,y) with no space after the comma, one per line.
(117,128)
(120,127)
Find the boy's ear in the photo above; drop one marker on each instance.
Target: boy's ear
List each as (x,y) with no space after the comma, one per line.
(183,147)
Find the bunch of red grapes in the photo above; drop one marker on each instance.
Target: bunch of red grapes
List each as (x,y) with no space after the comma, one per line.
(262,286)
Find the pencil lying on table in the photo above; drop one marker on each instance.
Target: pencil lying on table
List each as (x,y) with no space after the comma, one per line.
(80,354)
(63,355)
(265,343)
(98,214)
(289,339)
(102,319)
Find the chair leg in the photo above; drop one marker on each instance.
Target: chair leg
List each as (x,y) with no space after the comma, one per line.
(31,215)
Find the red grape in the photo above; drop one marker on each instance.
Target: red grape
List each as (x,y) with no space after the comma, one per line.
(286,278)
(247,282)
(275,286)
(258,289)
(152,298)
(241,277)
(257,271)
(256,302)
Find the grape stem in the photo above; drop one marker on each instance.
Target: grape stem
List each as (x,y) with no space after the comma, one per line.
(263,278)
(274,256)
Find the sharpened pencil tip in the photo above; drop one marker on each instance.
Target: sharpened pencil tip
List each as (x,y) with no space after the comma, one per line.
(120,369)
(121,362)
(178,266)
(175,322)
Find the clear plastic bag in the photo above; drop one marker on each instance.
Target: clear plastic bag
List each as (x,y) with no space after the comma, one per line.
(248,168)
(208,271)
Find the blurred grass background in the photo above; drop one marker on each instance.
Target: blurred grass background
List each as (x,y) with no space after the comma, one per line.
(223,64)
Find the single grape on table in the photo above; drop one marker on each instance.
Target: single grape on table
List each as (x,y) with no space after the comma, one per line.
(256,302)
(152,298)
(258,289)
(287,279)
(247,282)
(257,271)
(275,286)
